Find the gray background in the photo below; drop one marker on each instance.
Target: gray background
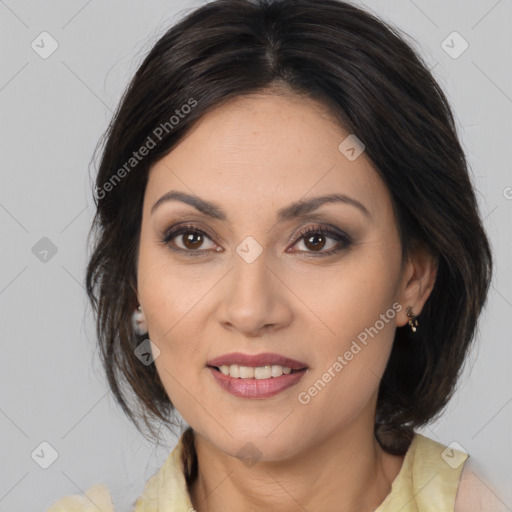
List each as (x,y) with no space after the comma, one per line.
(54,110)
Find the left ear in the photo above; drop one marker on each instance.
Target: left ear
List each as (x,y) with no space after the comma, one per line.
(418,279)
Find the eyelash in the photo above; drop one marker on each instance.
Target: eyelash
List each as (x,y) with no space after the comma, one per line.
(344,240)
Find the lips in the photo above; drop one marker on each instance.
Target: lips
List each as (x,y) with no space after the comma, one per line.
(256,360)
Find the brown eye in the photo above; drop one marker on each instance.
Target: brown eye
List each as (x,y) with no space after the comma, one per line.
(187,239)
(315,242)
(192,240)
(316,239)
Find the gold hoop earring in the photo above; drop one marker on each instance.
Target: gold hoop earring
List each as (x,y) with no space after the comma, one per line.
(413,322)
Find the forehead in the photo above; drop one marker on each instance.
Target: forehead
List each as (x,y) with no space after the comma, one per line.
(265,151)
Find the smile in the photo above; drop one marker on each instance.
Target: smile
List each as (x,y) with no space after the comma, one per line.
(259,372)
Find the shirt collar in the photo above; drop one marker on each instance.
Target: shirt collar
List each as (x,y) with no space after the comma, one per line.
(168,489)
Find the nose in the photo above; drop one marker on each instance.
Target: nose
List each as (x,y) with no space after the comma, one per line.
(254,298)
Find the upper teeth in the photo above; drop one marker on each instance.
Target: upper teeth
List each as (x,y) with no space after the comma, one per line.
(258,372)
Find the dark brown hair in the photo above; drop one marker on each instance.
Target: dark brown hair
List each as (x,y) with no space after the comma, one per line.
(378,88)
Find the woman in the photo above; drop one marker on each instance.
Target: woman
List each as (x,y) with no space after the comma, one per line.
(289,253)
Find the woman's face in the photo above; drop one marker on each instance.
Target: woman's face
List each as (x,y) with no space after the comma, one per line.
(241,279)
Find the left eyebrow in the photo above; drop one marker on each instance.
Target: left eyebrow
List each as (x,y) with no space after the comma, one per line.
(303,207)
(298,209)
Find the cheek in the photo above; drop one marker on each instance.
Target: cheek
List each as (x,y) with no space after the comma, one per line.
(173,298)
(351,296)
(357,308)
(170,290)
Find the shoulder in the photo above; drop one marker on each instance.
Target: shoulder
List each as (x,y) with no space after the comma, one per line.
(94,499)
(474,495)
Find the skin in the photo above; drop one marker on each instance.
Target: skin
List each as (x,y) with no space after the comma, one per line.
(252,156)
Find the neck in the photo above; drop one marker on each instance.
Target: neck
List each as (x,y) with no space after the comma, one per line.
(348,471)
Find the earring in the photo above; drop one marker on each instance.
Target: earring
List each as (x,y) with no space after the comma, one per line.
(413,322)
(139,322)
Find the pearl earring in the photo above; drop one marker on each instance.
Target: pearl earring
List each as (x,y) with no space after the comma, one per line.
(139,322)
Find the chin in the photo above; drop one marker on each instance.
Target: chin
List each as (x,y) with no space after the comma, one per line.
(254,444)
